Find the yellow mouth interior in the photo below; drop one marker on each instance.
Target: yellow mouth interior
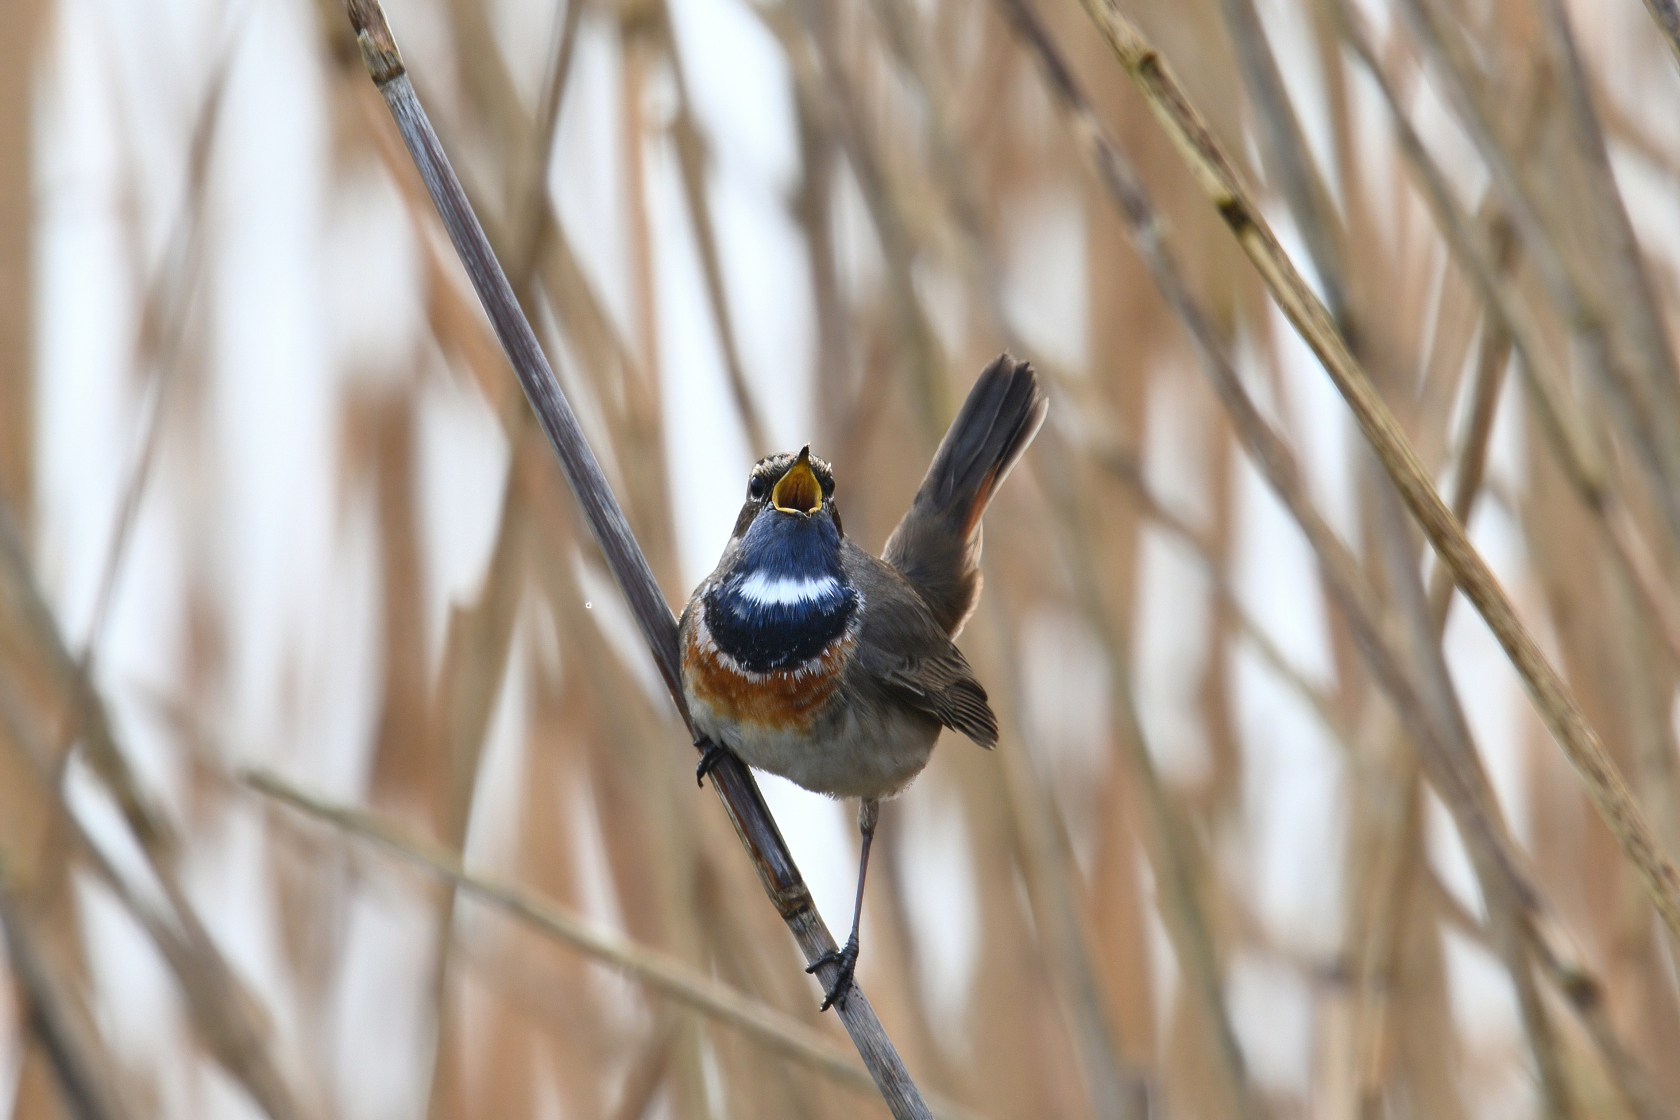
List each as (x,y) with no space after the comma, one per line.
(798,491)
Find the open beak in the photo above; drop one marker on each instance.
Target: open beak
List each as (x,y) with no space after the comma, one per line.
(798,491)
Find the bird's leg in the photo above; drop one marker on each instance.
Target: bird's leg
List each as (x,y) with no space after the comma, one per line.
(710,756)
(869,811)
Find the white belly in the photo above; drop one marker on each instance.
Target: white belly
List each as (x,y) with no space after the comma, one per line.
(843,755)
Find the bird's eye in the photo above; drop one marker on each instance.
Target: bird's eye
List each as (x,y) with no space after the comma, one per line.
(757,489)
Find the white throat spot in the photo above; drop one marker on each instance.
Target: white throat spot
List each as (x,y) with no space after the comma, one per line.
(785,591)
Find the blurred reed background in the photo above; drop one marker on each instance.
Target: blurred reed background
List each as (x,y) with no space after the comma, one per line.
(281,542)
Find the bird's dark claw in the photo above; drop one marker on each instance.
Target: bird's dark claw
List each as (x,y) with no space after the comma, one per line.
(847,960)
(709,759)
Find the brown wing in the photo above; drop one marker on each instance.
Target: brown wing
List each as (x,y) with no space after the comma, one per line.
(945,688)
(905,650)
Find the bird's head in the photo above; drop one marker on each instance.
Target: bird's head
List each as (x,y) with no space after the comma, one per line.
(787,493)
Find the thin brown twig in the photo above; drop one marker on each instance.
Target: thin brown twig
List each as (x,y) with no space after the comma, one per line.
(1377,884)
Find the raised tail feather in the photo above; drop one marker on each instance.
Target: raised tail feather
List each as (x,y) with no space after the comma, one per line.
(937,544)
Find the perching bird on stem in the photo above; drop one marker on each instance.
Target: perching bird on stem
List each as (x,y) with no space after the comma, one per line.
(805,656)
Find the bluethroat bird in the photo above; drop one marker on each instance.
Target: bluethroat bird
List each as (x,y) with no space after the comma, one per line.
(804,655)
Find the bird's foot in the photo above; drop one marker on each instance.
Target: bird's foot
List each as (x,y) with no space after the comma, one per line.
(709,759)
(847,960)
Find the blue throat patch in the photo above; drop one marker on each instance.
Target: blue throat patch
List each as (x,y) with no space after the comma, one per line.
(786,598)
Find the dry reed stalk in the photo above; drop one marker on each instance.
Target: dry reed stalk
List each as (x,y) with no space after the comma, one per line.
(1297,176)
(644,451)
(1393,788)
(527,202)
(18,211)
(1531,923)
(991,216)
(1123,464)
(1582,459)
(903,225)
(1638,377)
(1175,877)
(1114,1088)
(86,1070)
(477,648)
(692,160)
(165,308)
(645,1076)
(79,715)
(478,641)
(1427,710)
(853,401)
(606,521)
(1552,698)
(1632,291)
(624,387)
(1309,202)
(229,1020)
(1065,938)
(671,977)
(1596,897)
(813,208)
(1231,627)
(1570,437)
(460,331)
(63,1061)
(818,64)
(642,804)
(625,771)
(228,1016)
(1508,895)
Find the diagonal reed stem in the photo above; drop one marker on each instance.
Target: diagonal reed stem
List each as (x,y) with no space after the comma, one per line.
(740,794)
